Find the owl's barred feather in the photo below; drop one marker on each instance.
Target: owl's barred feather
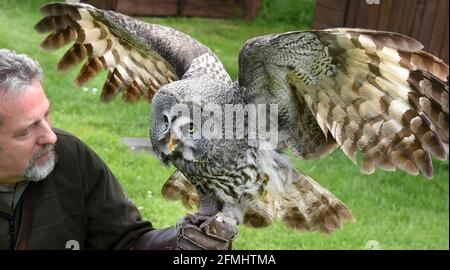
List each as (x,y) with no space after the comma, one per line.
(178,187)
(113,42)
(360,90)
(306,205)
(372,91)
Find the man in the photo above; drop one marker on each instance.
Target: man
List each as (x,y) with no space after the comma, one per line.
(56,193)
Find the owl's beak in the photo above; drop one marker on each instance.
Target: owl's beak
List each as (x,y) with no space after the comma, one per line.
(172,143)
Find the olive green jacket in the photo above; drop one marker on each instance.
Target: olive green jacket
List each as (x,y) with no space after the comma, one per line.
(79,205)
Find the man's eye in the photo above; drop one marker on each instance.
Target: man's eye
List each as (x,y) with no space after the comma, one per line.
(25,132)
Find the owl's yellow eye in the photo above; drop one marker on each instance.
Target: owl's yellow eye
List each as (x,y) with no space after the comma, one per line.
(191,128)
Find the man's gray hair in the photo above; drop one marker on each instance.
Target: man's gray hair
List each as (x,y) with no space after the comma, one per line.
(17,71)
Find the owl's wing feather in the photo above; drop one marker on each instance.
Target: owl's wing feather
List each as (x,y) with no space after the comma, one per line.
(178,187)
(372,91)
(139,57)
(306,205)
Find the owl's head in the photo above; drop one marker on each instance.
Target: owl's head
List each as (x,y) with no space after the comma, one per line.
(176,128)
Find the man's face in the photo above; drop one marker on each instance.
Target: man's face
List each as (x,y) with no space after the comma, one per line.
(26,137)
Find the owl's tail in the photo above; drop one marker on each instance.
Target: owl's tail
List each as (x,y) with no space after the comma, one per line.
(306,205)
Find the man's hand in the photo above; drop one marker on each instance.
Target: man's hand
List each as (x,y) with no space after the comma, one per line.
(205,234)
(188,235)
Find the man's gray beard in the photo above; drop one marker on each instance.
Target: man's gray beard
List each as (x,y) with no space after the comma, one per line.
(38,172)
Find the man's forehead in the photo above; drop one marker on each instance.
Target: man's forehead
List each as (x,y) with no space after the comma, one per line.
(28,105)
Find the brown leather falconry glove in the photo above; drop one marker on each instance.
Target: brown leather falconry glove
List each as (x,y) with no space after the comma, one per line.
(189,235)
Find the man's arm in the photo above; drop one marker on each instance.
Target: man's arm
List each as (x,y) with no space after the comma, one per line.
(115,223)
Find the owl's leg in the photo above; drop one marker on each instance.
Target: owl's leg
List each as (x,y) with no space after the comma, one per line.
(209,207)
(219,226)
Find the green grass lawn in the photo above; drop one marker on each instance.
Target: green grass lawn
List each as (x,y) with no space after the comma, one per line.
(394,209)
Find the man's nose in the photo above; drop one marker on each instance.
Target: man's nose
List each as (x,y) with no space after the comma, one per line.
(47,136)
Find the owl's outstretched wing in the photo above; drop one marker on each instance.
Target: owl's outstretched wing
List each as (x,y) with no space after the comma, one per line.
(372,91)
(139,57)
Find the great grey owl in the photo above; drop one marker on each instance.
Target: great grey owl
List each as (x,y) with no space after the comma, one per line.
(376,92)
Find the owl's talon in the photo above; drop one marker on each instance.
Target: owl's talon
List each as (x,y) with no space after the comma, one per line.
(220,226)
(224,218)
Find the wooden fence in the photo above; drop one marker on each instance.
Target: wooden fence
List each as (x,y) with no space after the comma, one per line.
(199,8)
(424,20)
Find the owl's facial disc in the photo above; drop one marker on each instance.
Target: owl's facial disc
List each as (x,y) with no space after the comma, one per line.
(175,136)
